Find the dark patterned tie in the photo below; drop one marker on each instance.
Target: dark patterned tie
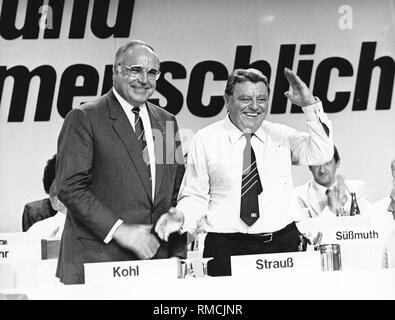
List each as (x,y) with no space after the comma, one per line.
(139,130)
(251,185)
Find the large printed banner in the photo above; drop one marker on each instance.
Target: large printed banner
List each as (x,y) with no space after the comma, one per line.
(56,54)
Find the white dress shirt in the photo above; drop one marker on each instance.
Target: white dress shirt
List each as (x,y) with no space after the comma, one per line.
(212,181)
(127,107)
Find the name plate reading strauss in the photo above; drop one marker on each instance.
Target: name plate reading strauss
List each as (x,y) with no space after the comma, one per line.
(106,272)
(256,264)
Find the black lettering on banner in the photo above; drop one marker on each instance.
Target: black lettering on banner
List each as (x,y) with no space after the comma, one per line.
(68,88)
(99,27)
(196,85)
(30,29)
(57,13)
(305,69)
(22,77)
(78,19)
(242,60)
(174,97)
(285,60)
(107,79)
(123,21)
(321,84)
(364,76)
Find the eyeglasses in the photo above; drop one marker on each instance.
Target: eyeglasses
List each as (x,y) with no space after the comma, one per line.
(136,71)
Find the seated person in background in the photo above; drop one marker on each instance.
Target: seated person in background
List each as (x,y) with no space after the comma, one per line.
(389,247)
(40,209)
(328,194)
(52,227)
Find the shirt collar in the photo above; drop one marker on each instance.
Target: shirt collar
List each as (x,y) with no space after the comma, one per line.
(235,134)
(321,189)
(126,106)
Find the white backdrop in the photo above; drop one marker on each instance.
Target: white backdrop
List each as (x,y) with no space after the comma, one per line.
(188,33)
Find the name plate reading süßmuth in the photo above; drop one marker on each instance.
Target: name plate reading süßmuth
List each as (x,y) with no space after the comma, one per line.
(26,251)
(252,265)
(116,271)
(352,234)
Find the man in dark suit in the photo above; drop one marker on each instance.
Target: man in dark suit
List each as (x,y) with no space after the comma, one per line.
(40,209)
(119,168)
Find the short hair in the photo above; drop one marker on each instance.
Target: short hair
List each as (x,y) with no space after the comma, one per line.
(243,75)
(49,174)
(336,154)
(122,49)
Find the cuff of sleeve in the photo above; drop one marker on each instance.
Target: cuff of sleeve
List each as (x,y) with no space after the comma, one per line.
(314,110)
(111,233)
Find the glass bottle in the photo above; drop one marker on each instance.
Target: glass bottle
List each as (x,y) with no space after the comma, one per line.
(354,210)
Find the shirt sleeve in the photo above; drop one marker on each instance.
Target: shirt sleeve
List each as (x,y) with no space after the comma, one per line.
(315,147)
(193,198)
(112,230)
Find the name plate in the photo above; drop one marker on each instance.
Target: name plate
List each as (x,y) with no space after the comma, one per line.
(106,272)
(252,265)
(352,234)
(13,238)
(27,251)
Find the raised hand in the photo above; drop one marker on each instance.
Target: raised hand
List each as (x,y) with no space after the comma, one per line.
(301,94)
(137,238)
(168,223)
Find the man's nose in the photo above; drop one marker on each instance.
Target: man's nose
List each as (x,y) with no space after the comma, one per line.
(254,105)
(143,77)
(322,168)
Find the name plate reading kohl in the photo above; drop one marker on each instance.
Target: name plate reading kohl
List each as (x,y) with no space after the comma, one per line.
(26,251)
(107,272)
(352,235)
(256,264)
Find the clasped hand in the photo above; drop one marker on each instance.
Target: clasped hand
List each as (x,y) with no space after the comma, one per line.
(337,197)
(168,223)
(137,238)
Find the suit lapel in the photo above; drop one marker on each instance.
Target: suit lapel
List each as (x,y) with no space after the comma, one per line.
(159,136)
(125,132)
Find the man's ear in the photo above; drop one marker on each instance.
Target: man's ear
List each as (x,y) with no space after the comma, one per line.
(226,100)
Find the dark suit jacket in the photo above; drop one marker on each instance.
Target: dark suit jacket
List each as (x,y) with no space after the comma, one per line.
(102,177)
(36,211)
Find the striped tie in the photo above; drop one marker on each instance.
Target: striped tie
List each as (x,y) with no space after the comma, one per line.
(251,185)
(139,130)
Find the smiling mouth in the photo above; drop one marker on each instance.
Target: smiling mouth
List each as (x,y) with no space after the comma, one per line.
(252,114)
(139,89)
